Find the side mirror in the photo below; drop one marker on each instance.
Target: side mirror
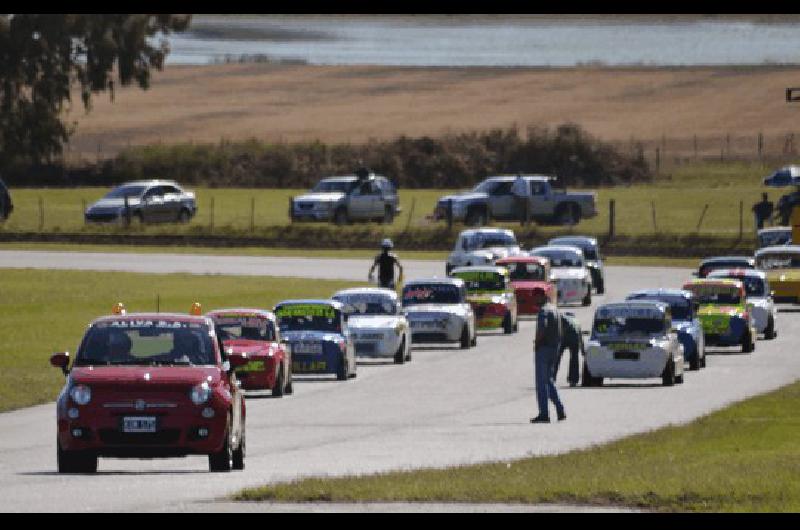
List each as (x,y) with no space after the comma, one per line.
(61,360)
(237,360)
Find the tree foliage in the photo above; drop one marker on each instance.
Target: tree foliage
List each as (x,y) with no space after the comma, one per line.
(45,57)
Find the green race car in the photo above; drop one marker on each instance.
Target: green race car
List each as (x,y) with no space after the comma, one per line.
(723,313)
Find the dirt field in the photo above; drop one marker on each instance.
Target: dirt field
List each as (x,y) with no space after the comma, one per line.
(352,104)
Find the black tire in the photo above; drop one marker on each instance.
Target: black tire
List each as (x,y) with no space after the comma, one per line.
(280,383)
(601,288)
(400,354)
(75,461)
(222,460)
(476,217)
(587,379)
(448,269)
(465,341)
(239,453)
(342,373)
(184,216)
(679,379)
(568,214)
(508,327)
(769,332)
(474,340)
(289,388)
(668,376)
(340,217)
(587,300)
(747,343)
(694,363)
(388,215)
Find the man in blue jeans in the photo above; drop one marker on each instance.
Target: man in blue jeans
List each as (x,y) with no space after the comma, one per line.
(547,347)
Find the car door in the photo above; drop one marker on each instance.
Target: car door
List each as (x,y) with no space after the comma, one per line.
(360,201)
(153,205)
(501,201)
(172,203)
(542,200)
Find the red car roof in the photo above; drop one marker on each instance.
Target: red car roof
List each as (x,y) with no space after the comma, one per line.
(541,260)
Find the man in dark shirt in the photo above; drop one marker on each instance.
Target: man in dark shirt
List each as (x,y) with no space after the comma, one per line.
(572,339)
(386,261)
(546,346)
(762,210)
(785,206)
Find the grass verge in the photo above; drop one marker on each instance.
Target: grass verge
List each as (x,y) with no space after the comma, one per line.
(47,311)
(742,458)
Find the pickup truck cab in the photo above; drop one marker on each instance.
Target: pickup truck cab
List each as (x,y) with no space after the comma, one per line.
(492,199)
(347,198)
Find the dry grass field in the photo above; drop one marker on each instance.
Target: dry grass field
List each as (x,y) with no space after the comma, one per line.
(290,103)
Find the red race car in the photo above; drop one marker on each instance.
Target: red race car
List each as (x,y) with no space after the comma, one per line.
(253,332)
(150,385)
(530,278)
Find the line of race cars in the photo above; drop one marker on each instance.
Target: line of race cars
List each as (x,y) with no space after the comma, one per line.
(147,385)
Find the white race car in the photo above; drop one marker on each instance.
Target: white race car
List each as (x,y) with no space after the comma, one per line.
(376,322)
(482,246)
(568,269)
(759,298)
(438,312)
(633,339)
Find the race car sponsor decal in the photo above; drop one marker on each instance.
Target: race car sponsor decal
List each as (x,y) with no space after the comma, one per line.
(310,366)
(252,366)
(625,346)
(303,310)
(479,276)
(244,321)
(148,324)
(703,290)
(629,312)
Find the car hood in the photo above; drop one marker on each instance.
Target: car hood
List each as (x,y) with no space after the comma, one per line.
(423,310)
(311,336)
(489,297)
(252,347)
(783,275)
(568,273)
(720,310)
(524,285)
(151,377)
(115,203)
(374,322)
(321,197)
(466,196)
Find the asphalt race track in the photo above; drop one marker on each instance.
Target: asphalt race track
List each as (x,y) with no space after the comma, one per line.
(445,407)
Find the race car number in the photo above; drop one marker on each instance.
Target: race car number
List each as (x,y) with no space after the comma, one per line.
(306,310)
(311,366)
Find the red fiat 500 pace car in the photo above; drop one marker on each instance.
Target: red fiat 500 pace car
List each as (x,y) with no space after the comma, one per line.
(530,278)
(150,385)
(253,332)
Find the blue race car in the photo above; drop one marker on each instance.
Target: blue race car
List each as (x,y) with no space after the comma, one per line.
(684,319)
(316,332)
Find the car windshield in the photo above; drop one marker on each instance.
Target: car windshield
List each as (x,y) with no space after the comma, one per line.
(776,237)
(589,252)
(487,186)
(784,260)
(367,303)
(753,286)
(525,271)
(308,317)
(715,295)
(560,258)
(242,326)
(431,293)
(479,241)
(680,307)
(125,191)
(328,186)
(628,326)
(482,280)
(146,342)
(730,264)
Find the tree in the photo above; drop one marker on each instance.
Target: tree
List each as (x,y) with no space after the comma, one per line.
(44,57)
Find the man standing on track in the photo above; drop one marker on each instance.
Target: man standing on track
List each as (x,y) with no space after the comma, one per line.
(386,261)
(546,347)
(521,191)
(571,339)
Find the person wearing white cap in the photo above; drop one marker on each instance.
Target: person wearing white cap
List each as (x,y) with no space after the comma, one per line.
(386,261)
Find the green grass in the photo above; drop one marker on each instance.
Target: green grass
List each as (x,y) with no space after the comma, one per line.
(679,200)
(42,312)
(743,458)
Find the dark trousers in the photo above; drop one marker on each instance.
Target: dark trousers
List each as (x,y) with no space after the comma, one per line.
(545,358)
(573,373)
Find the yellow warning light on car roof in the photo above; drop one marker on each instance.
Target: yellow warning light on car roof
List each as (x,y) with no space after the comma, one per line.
(118,309)
(196,309)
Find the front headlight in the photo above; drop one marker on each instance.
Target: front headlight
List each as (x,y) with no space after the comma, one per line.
(81,394)
(200,393)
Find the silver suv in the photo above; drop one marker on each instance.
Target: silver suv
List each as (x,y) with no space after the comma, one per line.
(348,198)
(148,201)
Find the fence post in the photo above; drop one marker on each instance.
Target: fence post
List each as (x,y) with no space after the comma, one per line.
(211,220)
(127,212)
(653,208)
(728,144)
(658,160)
(741,219)
(760,144)
(611,214)
(158,303)
(702,215)
(41,214)
(695,147)
(252,213)
(411,213)
(291,209)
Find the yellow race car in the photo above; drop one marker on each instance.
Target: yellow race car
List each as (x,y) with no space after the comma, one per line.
(782,265)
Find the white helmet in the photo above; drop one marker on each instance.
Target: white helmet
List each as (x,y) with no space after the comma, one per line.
(387,243)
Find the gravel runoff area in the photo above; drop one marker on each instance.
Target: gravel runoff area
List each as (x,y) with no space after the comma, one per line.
(446,407)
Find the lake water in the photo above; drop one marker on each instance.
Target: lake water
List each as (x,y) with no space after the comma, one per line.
(487,41)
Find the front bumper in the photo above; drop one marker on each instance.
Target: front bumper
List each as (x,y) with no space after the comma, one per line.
(377,344)
(717,334)
(571,294)
(328,362)
(431,331)
(489,316)
(649,362)
(786,291)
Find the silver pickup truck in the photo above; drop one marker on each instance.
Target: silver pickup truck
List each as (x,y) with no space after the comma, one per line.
(492,199)
(347,198)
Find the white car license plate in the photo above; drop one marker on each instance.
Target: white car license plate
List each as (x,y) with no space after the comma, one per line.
(139,424)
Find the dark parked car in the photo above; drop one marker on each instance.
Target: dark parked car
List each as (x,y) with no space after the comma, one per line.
(6,206)
(148,201)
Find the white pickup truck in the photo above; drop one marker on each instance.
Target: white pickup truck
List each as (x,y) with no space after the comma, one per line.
(492,199)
